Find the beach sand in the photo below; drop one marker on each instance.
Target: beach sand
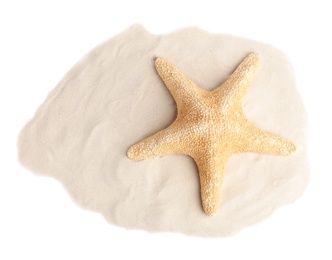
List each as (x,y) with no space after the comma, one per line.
(113,98)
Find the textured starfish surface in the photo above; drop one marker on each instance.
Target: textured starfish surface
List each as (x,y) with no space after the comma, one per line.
(210,127)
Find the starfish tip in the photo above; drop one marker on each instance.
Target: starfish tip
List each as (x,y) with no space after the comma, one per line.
(253,58)
(292,149)
(211,211)
(131,153)
(211,208)
(254,55)
(288,149)
(158,61)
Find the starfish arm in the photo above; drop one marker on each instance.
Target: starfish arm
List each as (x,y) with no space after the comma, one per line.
(211,175)
(237,85)
(259,141)
(183,90)
(164,142)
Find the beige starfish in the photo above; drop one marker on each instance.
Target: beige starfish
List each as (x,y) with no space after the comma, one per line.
(210,127)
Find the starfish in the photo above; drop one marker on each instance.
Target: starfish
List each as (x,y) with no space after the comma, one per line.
(210,127)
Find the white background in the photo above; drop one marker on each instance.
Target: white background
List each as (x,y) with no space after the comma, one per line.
(41,40)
